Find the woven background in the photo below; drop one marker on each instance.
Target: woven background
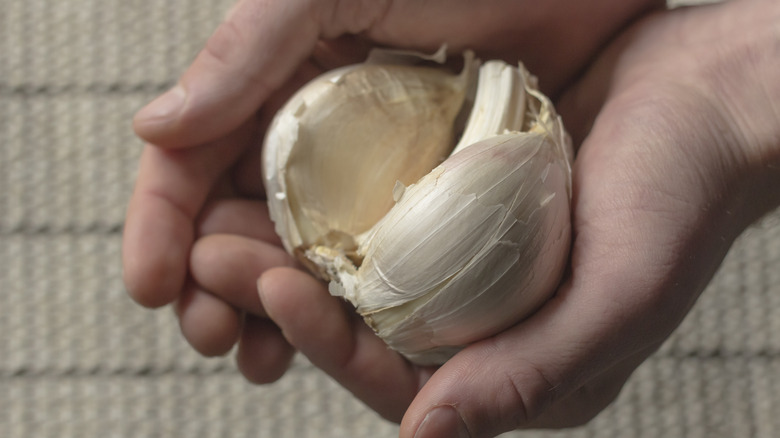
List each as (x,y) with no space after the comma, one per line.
(79,359)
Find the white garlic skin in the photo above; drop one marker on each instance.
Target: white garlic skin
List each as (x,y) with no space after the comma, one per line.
(471,249)
(474,246)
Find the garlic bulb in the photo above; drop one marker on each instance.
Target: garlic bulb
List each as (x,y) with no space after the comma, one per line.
(436,203)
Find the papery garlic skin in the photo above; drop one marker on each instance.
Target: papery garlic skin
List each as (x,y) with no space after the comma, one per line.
(489,233)
(470,247)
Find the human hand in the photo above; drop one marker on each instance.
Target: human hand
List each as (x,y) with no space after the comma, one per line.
(680,151)
(197,232)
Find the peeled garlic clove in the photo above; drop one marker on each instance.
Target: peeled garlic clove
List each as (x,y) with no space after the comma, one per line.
(470,247)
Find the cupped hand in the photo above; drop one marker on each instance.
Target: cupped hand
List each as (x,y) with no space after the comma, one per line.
(682,156)
(197,233)
(680,151)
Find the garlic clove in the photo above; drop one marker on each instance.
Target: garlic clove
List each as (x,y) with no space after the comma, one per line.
(485,233)
(337,148)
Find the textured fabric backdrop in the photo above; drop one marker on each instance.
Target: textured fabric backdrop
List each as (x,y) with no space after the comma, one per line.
(79,359)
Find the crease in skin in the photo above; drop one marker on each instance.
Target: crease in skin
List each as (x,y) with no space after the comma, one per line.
(237,216)
(339,17)
(230,265)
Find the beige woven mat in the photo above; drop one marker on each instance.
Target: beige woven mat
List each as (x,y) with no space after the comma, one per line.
(78,359)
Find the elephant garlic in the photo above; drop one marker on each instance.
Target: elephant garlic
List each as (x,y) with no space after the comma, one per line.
(436,203)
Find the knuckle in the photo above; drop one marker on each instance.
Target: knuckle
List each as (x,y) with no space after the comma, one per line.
(534,390)
(229,49)
(224,44)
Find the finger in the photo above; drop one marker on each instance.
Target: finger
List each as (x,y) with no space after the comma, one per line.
(210,325)
(159,229)
(241,217)
(263,353)
(321,327)
(247,177)
(508,381)
(261,43)
(228,266)
(252,53)
(513,30)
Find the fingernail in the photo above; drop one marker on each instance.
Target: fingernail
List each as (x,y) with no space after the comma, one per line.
(443,421)
(259,285)
(261,294)
(166,106)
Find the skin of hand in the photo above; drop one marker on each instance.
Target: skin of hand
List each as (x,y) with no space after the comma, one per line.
(197,233)
(680,150)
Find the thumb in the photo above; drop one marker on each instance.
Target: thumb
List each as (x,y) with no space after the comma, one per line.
(591,334)
(252,53)
(508,381)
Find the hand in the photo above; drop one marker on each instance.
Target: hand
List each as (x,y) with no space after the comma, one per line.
(563,365)
(197,233)
(680,151)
